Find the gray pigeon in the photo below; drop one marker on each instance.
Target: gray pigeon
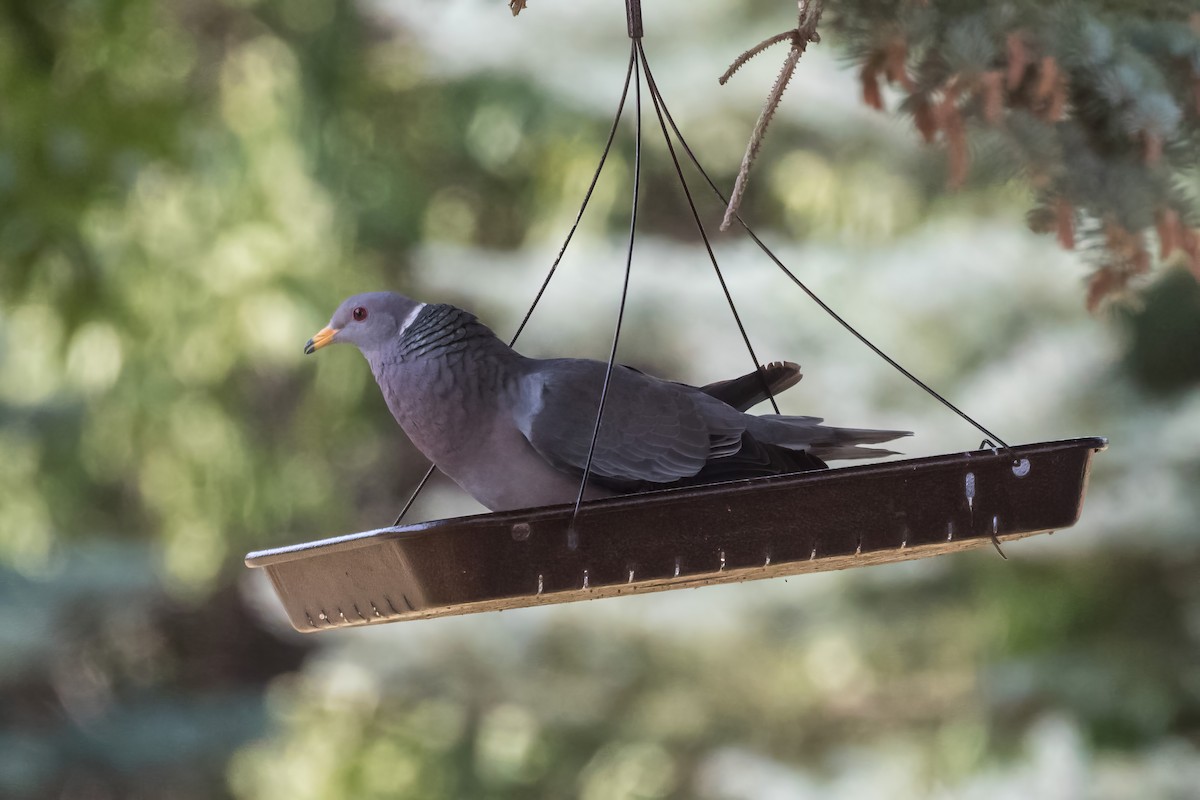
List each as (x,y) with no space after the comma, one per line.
(514,431)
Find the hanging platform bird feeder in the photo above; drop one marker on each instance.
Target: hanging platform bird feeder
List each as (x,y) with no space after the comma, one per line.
(674,538)
(736,531)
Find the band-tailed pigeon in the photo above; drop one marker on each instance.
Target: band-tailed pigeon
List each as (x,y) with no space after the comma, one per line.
(514,431)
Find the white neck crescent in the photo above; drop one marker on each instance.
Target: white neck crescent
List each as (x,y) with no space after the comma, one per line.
(412,315)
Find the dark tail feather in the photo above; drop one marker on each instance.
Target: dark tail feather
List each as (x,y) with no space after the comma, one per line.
(756,459)
(747,391)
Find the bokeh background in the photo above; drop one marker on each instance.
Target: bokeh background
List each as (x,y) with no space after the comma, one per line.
(188,189)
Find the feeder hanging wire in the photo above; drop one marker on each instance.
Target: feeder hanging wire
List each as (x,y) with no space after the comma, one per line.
(637,58)
(612,133)
(572,532)
(794,279)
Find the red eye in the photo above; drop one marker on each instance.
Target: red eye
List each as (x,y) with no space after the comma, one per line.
(359,314)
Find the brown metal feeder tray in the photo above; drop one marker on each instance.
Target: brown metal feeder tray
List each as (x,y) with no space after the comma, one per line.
(736,531)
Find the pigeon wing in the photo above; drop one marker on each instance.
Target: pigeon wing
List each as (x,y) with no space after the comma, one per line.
(653,431)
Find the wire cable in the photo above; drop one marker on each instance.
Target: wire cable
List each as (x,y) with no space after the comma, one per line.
(612,133)
(639,64)
(653,88)
(572,530)
(657,100)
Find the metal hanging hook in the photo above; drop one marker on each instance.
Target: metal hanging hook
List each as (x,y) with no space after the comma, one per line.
(633,15)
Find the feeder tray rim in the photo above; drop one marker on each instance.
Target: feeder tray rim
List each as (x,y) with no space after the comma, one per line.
(350,541)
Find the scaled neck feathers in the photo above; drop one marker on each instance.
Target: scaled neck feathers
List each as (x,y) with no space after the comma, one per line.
(440,329)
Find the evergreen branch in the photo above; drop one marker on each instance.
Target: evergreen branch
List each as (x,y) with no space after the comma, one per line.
(1099,108)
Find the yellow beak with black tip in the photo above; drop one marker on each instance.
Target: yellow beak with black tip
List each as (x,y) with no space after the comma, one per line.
(322,338)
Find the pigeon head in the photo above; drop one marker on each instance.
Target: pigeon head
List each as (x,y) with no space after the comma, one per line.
(368,321)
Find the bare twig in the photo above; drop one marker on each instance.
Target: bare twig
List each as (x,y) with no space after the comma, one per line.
(756,137)
(804,33)
(741,60)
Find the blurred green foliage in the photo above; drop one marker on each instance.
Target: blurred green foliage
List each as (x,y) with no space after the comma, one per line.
(1165,334)
(187,190)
